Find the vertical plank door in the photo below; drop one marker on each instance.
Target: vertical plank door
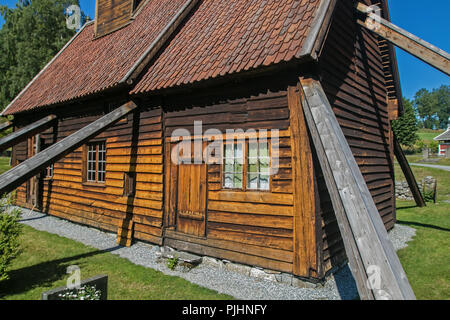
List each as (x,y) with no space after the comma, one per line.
(191,208)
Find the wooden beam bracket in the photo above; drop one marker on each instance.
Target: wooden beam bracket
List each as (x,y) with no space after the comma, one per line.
(26,132)
(419,48)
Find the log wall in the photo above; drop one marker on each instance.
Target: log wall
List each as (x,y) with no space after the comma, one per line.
(132,146)
(249,227)
(352,74)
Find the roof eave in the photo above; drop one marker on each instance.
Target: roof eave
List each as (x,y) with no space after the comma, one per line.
(319,28)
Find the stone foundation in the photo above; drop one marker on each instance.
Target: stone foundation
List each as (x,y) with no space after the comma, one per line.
(403,192)
(255,272)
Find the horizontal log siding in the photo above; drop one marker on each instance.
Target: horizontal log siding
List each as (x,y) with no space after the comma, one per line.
(353,77)
(249,227)
(104,206)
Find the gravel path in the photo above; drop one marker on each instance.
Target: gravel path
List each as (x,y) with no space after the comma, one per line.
(339,286)
(434,166)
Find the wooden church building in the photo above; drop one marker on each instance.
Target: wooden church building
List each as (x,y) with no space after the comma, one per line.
(227,65)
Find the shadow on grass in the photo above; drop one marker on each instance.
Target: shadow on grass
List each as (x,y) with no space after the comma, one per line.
(42,274)
(408,207)
(424,225)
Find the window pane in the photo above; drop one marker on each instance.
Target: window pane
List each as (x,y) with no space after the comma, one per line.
(252,150)
(253,168)
(229,152)
(252,181)
(264,166)
(238,168)
(264,182)
(264,149)
(228,181)
(238,181)
(228,168)
(239,154)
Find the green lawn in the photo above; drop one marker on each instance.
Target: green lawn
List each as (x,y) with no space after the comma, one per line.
(4,164)
(42,266)
(427,135)
(426,260)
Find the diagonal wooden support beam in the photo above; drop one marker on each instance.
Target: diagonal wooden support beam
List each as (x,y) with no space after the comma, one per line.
(409,175)
(13,178)
(373,261)
(6,125)
(419,48)
(26,132)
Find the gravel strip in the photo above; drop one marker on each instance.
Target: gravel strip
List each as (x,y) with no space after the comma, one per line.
(339,286)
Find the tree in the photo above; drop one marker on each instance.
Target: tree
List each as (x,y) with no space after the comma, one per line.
(32,34)
(433,107)
(405,128)
(425,103)
(443,105)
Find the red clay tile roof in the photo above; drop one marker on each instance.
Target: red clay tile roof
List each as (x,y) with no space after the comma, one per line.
(229,36)
(91,65)
(221,37)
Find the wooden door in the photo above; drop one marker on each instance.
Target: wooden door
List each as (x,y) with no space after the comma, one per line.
(191,199)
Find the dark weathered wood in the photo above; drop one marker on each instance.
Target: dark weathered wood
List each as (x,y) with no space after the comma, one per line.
(29,168)
(26,132)
(6,125)
(419,48)
(409,175)
(366,241)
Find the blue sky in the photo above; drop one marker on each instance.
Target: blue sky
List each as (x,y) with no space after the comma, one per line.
(429,22)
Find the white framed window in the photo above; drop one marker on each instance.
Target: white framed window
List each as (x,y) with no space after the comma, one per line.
(233,166)
(250,172)
(96,162)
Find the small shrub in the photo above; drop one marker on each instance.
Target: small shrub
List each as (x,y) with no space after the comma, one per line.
(172,263)
(428,196)
(434,146)
(84,293)
(9,235)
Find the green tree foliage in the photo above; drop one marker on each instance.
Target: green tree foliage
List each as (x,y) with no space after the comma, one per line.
(405,128)
(9,235)
(433,107)
(32,34)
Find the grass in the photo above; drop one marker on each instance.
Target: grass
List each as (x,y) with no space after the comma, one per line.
(42,266)
(4,164)
(427,135)
(426,260)
(443,179)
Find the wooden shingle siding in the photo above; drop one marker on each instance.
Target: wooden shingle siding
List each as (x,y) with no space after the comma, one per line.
(249,227)
(104,206)
(353,77)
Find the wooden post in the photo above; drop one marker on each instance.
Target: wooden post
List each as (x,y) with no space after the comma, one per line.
(26,132)
(373,261)
(426,52)
(13,178)
(305,262)
(409,175)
